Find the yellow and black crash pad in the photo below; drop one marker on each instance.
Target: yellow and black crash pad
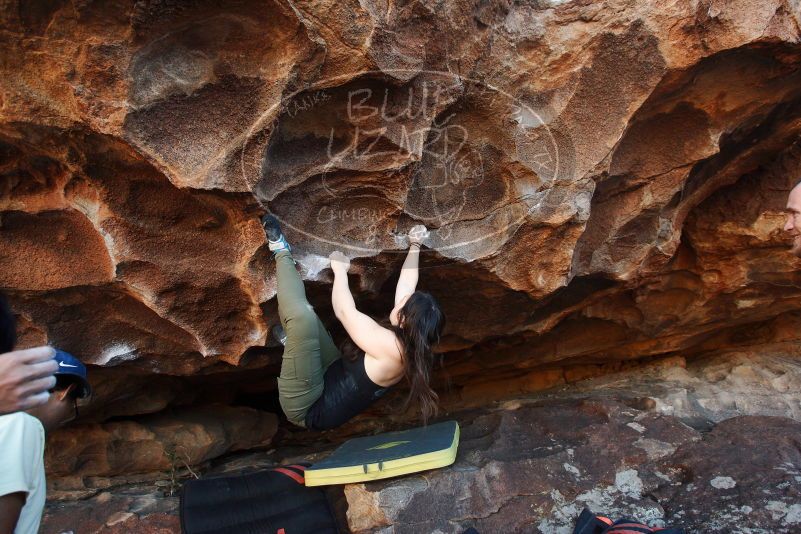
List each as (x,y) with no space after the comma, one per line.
(388,455)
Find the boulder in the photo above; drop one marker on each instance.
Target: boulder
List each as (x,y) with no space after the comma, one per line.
(604,183)
(156,443)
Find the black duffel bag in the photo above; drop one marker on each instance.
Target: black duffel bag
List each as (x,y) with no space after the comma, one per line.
(275,501)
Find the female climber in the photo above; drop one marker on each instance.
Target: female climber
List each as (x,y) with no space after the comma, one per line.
(319,389)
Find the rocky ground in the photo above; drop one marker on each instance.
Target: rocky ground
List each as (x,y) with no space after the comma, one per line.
(712,447)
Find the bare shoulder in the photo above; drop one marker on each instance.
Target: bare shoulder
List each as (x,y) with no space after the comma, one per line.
(390,347)
(378,341)
(385,369)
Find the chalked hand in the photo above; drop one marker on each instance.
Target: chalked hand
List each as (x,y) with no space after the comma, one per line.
(417,234)
(339,262)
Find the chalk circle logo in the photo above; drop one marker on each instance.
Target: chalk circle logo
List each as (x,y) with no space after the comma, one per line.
(353,162)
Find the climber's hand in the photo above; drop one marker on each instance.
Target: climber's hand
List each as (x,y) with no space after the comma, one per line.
(417,234)
(339,262)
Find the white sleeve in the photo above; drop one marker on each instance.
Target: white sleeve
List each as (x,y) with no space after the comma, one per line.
(21,451)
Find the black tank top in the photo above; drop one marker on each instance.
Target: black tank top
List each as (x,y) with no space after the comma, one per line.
(347,392)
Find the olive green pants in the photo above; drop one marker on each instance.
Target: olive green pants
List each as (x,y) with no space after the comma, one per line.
(309,349)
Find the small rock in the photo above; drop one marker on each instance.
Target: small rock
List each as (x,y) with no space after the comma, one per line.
(629,483)
(793,516)
(573,470)
(636,426)
(723,482)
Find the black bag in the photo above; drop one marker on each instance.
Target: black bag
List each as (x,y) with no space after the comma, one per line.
(589,523)
(275,501)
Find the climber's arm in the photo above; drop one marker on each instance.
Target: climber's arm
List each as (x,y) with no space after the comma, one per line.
(368,335)
(407,282)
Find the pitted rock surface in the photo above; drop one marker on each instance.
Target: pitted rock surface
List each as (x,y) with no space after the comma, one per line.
(604,182)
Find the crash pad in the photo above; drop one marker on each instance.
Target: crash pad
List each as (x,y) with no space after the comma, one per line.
(388,455)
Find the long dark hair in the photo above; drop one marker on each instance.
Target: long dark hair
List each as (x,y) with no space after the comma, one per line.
(420,326)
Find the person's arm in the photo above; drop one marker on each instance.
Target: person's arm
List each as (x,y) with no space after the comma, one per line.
(25,377)
(407,282)
(367,334)
(10,508)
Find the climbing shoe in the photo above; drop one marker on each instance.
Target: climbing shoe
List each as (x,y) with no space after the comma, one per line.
(275,238)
